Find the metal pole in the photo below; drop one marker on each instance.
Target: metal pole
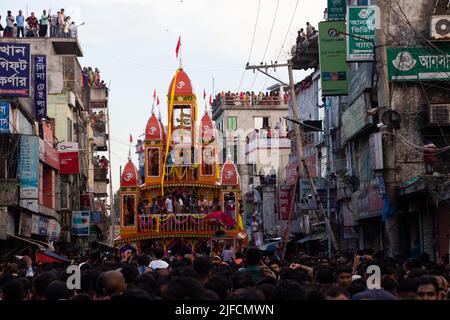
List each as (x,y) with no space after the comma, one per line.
(328,175)
(111,195)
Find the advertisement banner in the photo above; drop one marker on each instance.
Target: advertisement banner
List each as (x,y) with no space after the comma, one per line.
(284,198)
(4,117)
(361,33)
(25,224)
(15,69)
(361,81)
(336,9)
(69,163)
(96,217)
(29,167)
(307,199)
(291,173)
(43,226)
(40,87)
(35,224)
(68,147)
(51,156)
(81,223)
(424,64)
(354,118)
(332,55)
(54,230)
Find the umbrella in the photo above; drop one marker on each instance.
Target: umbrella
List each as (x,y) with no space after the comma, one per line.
(223,217)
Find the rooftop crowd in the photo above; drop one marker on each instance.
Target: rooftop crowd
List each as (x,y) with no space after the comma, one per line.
(57,25)
(304,38)
(91,78)
(252,275)
(250,98)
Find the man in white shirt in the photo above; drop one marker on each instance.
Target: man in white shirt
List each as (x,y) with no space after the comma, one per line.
(169,205)
(158,263)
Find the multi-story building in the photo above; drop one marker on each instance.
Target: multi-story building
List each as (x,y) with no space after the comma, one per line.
(253,130)
(47,139)
(392,189)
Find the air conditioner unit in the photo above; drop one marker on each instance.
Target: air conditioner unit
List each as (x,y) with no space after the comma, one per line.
(439,114)
(440,28)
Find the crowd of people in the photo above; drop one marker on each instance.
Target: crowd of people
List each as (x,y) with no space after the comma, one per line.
(91,78)
(250,98)
(305,37)
(56,26)
(251,275)
(101,163)
(178,202)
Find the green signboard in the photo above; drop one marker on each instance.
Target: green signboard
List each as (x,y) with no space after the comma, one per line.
(425,64)
(336,9)
(333,65)
(361,33)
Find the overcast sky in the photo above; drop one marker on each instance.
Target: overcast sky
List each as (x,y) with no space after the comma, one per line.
(133,43)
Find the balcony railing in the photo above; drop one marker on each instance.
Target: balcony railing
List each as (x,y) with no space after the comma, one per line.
(100,174)
(251,101)
(176,223)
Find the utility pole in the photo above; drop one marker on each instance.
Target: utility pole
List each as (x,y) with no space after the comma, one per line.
(111,195)
(302,168)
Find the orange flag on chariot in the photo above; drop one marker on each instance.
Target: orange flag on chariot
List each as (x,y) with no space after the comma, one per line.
(177,50)
(131,138)
(157,101)
(154,94)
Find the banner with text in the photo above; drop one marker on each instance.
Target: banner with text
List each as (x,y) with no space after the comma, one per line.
(336,9)
(29,167)
(361,33)
(81,222)
(15,69)
(4,117)
(40,87)
(423,64)
(332,55)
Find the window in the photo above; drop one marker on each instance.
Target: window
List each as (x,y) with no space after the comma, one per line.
(128,209)
(232,123)
(182,118)
(261,122)
(153,162)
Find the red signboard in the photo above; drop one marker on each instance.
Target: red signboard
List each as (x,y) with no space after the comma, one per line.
(284,203)
(51,156)
(291,173)
(69,163)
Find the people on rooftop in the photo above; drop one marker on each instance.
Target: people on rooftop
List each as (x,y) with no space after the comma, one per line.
(61,25)
(250,98)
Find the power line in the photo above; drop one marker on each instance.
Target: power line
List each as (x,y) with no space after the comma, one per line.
(285,38)
(253,41)
(268,40)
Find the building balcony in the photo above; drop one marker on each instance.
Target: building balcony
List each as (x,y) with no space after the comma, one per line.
(98,97)
(100,142)
(258,103)
(72,75)
(100,174)
(98,123)
(307,56)
(100,188)
(177,224)
(259,140)
(61,46)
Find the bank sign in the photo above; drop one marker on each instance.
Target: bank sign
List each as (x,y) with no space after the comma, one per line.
(361,32)
(333,64)
(424,64)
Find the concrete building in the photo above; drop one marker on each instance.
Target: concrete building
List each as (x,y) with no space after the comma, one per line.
(254,132)
(63,134)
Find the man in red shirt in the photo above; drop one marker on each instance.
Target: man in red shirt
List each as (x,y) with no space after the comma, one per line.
(429,156)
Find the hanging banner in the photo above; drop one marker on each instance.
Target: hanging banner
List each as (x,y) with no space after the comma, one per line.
(426,64)
(25,224)
(4,117)
(336,9)
(81,223)
(54,230)
(43,226)
(35,224)
(40,87)
(284,198)
(29,167)
(362,21)
(15,69)
(332,55)
(69,163)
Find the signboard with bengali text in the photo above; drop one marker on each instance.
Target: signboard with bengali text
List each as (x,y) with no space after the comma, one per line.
(15,69)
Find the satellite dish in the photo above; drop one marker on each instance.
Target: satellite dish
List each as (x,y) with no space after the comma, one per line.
(391,119)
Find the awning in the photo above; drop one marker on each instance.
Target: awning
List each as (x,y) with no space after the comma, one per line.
(49,256)
(271,246)
(311,237)
(38,245)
